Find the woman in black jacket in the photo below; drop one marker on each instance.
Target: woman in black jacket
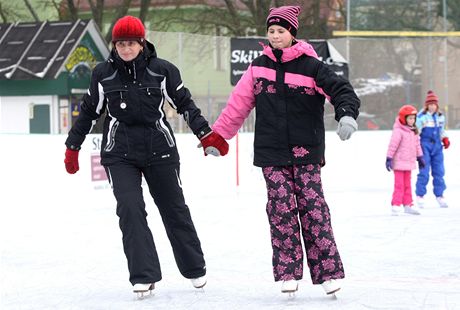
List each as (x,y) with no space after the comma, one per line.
(133,86)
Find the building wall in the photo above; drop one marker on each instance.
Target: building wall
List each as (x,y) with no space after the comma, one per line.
(15,112)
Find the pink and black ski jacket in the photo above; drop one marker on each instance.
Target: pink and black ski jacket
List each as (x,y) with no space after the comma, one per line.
(287,87)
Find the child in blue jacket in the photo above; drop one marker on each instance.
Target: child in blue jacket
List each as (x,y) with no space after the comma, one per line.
(430,123)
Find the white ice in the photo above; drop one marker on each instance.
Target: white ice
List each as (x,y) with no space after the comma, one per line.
(61,246)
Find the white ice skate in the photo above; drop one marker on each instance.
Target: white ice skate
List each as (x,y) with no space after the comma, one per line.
(143,289)
(442,203)
(289,286)
(420,202)
(396,210)
(411,210)
(331,286)
(199,282)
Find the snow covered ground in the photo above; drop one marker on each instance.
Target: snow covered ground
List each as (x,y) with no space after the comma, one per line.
(61,246)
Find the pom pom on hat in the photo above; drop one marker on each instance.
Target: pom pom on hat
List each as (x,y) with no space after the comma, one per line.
(286,17)
(128,28)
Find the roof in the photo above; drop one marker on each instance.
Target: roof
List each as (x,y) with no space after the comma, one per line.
(40,50)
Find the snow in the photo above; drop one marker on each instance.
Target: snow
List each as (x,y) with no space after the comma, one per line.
(61,246)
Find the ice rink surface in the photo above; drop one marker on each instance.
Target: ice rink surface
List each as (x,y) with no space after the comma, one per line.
(61,246)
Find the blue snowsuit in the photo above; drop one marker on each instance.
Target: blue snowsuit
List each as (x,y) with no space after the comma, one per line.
(431,127)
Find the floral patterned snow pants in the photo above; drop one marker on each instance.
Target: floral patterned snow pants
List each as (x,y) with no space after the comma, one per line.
(295,192)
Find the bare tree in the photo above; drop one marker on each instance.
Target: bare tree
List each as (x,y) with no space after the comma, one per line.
(144,9)
(120,12)
(97,10)
(31,10)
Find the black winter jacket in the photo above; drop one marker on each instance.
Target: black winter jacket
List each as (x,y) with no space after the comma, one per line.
(288,92)
(134,94)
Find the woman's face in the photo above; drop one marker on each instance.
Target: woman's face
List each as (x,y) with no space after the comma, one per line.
(279,37)
(128,50)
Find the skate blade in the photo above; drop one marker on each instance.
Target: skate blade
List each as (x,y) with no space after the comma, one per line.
(291,293)
(200,287)
(332,293)
(143,294)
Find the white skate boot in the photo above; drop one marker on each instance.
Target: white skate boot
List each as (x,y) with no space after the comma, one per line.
(411,210)
(396,210)
(199,282)
(420,202)
(442,203)
(289,286)
(331,286)
(143,289)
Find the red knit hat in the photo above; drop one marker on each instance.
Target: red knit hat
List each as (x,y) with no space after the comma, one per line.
(405,111)
(431,98)
(128,28)
(286,17)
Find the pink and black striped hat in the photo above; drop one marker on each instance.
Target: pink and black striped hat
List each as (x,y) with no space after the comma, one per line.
(286,17)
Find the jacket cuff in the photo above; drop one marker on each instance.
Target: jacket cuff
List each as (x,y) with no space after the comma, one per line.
(73,147)
(203,132)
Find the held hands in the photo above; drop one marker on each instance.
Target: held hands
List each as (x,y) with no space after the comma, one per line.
(71,161)
(445,142)
(389,163)
(214,144)
(347,126)
(421,162)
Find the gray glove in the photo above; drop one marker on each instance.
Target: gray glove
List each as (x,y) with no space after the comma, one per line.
(347,126)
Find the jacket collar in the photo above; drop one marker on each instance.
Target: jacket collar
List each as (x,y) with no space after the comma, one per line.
(295,51)
(140,61)
(398,125)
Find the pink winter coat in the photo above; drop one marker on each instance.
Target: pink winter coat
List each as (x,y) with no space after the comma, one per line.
(404,147)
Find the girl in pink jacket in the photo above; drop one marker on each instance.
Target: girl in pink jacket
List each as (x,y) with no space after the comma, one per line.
(403,151)
(287,86)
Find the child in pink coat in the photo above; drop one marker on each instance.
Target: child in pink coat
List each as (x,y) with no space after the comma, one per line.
(403,151)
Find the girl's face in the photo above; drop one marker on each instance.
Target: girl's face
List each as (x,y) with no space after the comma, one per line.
(279,37)
(128,50)
(410,120)
(432,107)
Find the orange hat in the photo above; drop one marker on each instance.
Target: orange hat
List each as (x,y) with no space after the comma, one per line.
(405,111)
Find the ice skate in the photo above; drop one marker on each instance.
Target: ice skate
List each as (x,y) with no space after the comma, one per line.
(199,282)
(143,289)
(331,286)
(420,202)
(396,210)
(290,287)
(411,210)
(442,203)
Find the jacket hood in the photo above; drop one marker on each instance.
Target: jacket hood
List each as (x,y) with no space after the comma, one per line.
(398,125)
(292,52)
(148,52)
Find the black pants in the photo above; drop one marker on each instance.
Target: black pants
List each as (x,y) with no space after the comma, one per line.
(165,187)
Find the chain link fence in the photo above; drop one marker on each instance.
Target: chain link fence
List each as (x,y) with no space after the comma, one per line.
(386,73)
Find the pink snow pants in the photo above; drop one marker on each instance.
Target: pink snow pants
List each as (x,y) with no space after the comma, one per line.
(402,193)
(295,193)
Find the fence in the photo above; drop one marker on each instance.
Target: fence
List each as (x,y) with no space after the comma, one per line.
(386,73)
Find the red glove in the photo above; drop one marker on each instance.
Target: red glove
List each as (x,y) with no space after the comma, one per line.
(71,161)
(214,144)
(445,142)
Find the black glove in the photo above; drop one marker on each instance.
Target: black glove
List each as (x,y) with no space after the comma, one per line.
(421,162)
(389,163)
